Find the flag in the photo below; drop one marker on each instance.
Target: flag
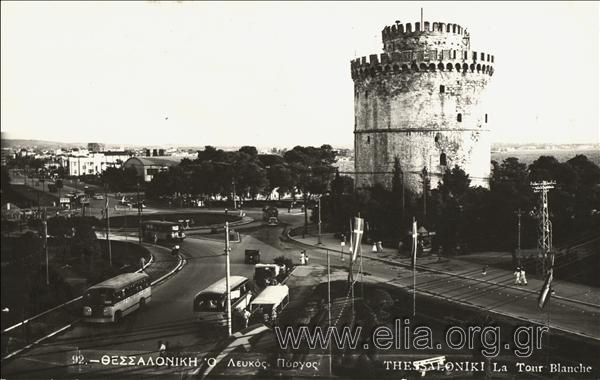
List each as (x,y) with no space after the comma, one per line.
(415,237)
(357,232)
(545,292)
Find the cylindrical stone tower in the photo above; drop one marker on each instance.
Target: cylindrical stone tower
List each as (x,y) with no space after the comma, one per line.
(422,100)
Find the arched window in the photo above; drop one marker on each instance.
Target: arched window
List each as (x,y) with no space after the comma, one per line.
(368,139)
(459,117)
(442,88)
(443,161)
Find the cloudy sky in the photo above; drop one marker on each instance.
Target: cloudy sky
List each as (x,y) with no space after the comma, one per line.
(273,74)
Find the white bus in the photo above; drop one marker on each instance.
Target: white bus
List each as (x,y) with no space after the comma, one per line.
(210,305)
(267,306)
(111,300)
(161,230)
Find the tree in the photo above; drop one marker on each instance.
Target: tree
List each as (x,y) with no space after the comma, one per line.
(279,177)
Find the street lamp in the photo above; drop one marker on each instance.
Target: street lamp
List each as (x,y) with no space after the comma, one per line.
(319,237)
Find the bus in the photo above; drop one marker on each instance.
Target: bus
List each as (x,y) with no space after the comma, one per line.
(111,300)
(210,304)
(162,230)
(269,304)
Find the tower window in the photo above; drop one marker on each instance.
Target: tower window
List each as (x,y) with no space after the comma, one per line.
(368,139)
(459,117)
(443,161)
(486,117)
(442,89)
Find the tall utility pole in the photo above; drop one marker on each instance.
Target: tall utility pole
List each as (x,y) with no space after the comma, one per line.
(108,226)
(319,237)
(45,232)
(329,305)
(227,275)
(139,214)
(519,235)
(545,238)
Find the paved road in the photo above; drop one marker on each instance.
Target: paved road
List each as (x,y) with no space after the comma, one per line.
(167,317)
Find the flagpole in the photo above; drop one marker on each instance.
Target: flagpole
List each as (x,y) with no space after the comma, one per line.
(414,266)
(329,304)
(227,278)
(108,228)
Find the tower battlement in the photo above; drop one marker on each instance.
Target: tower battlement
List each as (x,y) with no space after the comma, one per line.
(400,30)
(423,60)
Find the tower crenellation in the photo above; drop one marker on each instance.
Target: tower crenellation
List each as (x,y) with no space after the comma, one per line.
(422,100)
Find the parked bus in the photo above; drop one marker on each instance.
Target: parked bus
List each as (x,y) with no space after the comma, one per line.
(161,230)
(111,300)
(269,304)
(210,304)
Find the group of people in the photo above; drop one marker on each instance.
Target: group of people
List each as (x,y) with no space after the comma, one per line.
(520,278)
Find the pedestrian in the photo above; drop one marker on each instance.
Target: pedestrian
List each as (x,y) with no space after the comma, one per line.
(246,314)
(162,349)
(523,278)
(155,238)
(484,270)
(142,262)
(374,249)
(517,275)
(303,258)
(379,247)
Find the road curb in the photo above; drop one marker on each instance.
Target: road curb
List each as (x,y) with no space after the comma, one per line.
(424,268)
(420,267)
(180,265)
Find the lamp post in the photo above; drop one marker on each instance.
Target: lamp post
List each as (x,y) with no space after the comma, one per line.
(319,237)
(139,213)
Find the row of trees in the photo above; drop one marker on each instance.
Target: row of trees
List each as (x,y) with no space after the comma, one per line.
(467,217)
(217,172)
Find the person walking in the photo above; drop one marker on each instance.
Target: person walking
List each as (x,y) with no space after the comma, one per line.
(246,314)
(162,349)
(523,278)
(517,275)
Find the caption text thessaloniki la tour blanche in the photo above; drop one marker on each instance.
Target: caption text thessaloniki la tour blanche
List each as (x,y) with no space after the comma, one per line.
(525,338)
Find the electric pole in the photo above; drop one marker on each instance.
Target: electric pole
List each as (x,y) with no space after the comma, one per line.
(519,236)
(545,238)
(139,214)
(45,231)
(319,237)
(108,226)
(227,275)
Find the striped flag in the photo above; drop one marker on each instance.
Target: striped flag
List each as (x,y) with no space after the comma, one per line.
(359,225)
(545,292)
(415,237)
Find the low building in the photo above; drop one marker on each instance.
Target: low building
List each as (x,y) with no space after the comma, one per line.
(95,163)
(147,167)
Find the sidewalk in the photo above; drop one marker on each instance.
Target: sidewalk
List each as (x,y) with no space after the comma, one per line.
(459,266)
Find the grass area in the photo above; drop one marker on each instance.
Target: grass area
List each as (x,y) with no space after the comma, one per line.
(71,271)
(196,219)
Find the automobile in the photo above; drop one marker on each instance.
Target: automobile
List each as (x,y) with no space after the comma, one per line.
(252,256)
(98,196)
(138,205)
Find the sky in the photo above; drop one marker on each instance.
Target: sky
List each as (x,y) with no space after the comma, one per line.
(273,74)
